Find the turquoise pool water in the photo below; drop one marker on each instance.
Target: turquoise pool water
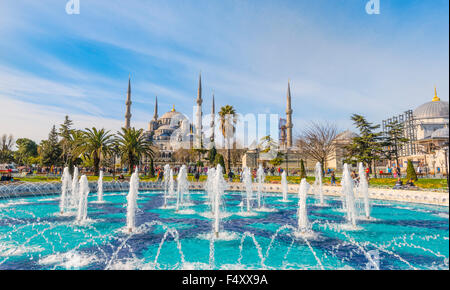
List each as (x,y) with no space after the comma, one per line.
(33,235)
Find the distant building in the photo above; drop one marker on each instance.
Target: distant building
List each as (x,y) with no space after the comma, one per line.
(427,129)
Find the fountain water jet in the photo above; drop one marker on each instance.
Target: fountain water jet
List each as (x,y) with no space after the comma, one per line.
(284,186)
(363,189)
(247,179)
(182,187)
(347,190)
(132,201)
(318,183)
(82,199)
(166,180)
(302,210)
(100,187)
(209,187)
(219,188)
(75,186)
(261,177)
(65,189)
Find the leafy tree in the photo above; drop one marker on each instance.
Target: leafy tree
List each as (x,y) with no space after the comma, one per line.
(96,145)
(228,121)
(50,150)
(277,161)
(411,171)
(133,145)
(393,141)
(6,146)
(26,151)
(367,147)
(302,169)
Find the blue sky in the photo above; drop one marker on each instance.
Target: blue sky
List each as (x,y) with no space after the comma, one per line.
(340,60)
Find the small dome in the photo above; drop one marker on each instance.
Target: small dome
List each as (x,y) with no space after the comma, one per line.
(440,133)
(346,135)
(431,110)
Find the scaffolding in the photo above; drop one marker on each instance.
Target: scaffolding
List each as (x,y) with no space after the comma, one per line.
(409,130)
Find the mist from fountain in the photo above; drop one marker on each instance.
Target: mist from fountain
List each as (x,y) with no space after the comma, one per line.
(363,190)
(75,189)
(318,190)
(132,205)
(65,190)
(284,186)
(82,199)
(100,187)
(347,190)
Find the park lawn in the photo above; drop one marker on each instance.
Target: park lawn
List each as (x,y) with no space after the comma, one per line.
(374,182)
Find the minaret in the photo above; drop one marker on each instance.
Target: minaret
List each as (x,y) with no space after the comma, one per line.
(289,117)
(128,103)
(198,115)
(213,117)
(155,116)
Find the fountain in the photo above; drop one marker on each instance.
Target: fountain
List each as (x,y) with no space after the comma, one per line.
(171,192)
(284,186)
(209,187)
(318,183)
(65,189)
(247,179)
(82,199)
(132,201)
(302,210)
(182,188)
(100,187)
(75,186)
(218,189)
(363,189)
(347,190)
(260,178)
(166,177)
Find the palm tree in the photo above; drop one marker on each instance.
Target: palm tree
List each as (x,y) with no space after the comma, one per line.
(227,125)
(133,145)
(96,144)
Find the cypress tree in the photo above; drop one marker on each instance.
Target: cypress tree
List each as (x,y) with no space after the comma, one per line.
(219,160)
(411,171)
(302,170)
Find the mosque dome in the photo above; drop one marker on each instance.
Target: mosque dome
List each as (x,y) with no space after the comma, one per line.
(440,133)
(432,110)
(347,135)
(171,114)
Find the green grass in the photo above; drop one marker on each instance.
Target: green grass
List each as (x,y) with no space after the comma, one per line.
(374,182)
